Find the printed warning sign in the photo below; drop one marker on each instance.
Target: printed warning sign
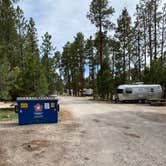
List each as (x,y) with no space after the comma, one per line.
(46,106)
(24,105)
(52,105)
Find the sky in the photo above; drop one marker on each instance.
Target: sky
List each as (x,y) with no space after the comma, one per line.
(63,19)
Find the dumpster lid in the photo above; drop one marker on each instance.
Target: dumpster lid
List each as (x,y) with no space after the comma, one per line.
(36,98)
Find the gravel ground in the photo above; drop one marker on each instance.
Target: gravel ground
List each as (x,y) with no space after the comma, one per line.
(90,134)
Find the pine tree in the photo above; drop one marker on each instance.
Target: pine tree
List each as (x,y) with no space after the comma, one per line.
(79,44)
(73,64)
(21,25)
(91,61)
(48,61)
(99,14)
(138,45)
(8,48)
(57,63)
(163,32)
(117,62)
(8,32)
(32,79)
(75,67)
(123,35)
(66,66)
(104,80)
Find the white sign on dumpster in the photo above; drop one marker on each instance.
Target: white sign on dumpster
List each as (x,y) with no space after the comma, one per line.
(46,106)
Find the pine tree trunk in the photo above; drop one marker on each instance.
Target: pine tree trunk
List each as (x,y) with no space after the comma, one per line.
(139,57)
(113,64)
(124,62)
(101,46)
(81,80)
(69,83)
(155,30)
(145,41)
(150,37)
(162,37)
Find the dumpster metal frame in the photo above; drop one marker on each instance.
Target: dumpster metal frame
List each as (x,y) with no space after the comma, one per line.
(34,110)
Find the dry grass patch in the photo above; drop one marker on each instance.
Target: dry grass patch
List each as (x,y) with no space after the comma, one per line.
(7,114)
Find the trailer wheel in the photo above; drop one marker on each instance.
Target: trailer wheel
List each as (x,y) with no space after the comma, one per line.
(139,101)
(143,101)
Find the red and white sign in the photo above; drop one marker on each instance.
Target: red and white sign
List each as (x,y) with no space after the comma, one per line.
(38,107)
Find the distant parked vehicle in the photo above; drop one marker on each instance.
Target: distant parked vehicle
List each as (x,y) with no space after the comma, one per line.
(88,92)
(139,92)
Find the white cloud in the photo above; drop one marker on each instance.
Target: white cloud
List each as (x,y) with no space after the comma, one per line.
(64,18)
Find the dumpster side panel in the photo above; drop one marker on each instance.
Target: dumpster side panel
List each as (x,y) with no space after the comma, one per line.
(37,111)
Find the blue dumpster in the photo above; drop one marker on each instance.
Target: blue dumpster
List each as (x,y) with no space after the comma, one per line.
(32,110)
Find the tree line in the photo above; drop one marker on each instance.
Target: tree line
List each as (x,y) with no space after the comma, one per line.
(26,69)
(130,50)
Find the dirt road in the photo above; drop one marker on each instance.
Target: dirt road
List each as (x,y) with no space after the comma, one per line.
(99,134)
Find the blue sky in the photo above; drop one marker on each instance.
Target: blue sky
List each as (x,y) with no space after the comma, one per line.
(64,18)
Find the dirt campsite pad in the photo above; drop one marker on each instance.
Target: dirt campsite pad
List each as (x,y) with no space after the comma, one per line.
(89,133)
(65,114)
(24,145)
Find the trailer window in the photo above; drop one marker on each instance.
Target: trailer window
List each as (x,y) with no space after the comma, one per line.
(128,90)
(119,90)
(151,90)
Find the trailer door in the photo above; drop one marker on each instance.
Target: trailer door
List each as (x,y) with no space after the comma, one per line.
(141,93)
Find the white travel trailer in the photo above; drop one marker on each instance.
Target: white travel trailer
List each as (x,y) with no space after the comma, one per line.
(88,92)
(139,92)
